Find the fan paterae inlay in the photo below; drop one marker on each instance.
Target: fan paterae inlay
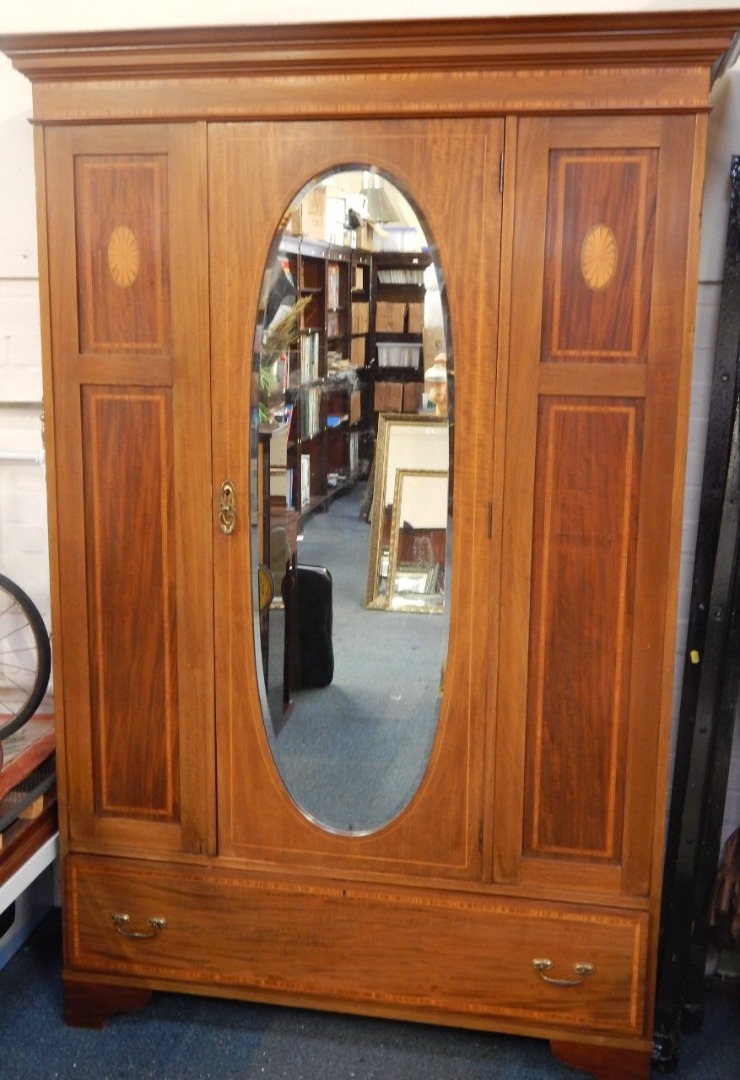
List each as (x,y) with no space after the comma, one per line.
(599,257)
(123,256)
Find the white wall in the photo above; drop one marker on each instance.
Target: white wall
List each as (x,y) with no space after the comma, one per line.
(23,548)
(723,143)
(23,542)
(47,15)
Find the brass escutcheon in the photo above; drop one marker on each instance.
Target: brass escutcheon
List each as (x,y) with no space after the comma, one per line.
(227,508)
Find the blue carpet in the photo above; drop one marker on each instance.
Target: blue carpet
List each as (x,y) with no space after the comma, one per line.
(178,1037)
(353,754)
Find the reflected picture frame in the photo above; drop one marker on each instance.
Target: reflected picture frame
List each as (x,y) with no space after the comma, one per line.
(412,442)
(417,588)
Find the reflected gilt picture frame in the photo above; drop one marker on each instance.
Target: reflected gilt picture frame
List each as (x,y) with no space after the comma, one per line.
(420,501)
(413,442)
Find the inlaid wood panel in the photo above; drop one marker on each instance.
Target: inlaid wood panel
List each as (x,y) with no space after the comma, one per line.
(127,437)
(587,487)
(121,224)
(599,254)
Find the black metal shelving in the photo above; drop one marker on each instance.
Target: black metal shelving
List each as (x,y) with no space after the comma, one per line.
(710,688)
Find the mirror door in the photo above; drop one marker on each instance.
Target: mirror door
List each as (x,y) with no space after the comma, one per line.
(449,171)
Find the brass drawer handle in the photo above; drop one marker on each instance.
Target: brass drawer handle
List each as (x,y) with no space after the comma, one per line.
(121,920)
(542,965)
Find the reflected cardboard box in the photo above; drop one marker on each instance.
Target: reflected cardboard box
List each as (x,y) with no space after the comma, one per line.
(412,396)
(389,317)
(388,397)
(358,352)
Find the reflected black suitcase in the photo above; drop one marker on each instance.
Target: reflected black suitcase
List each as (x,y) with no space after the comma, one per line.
(315,626)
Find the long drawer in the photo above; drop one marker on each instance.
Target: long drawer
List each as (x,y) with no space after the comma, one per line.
(396,951)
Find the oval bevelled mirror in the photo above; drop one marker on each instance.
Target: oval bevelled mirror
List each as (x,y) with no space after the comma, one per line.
(351,499)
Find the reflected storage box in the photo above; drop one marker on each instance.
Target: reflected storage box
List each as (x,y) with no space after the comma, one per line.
(412,396)
(389,317)
(309,219)
(415,323)
(360,317)
(358,350)
(398,354)
(388,397)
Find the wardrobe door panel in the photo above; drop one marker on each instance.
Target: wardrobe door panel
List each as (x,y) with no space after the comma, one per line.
(592,498)
(450,170)
(130,426)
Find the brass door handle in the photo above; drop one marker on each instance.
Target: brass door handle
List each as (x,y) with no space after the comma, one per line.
(121,921)
(227,508)
(542,964)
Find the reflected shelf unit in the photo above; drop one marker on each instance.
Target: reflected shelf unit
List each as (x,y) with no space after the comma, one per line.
(396,345)
(322,382)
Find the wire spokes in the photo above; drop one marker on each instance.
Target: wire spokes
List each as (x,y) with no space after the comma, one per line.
(25,657)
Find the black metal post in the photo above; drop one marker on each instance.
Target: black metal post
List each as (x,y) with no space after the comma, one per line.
(709,688)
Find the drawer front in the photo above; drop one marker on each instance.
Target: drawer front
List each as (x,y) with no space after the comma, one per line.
(467,959)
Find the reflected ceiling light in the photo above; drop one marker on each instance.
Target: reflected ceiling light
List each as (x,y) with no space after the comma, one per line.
(380,209)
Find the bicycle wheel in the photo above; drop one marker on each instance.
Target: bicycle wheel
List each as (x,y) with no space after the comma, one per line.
(25,657)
